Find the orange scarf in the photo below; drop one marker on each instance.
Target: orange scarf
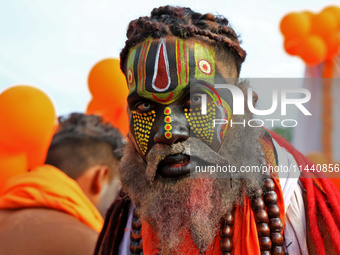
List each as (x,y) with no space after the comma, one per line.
(48,187)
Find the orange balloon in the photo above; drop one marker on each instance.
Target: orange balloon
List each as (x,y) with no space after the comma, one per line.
(313,50)
(117,115)
(333,44)
(107,82)
(317,157)
(11,165)
(295,25)
(108,87)
(308,14)
(293,46)
(335,11)
(324,24)
(95,106)
(28,119)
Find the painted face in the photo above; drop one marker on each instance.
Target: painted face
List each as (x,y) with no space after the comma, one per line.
(166,79)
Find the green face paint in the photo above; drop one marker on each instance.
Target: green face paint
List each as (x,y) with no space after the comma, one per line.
(161,72)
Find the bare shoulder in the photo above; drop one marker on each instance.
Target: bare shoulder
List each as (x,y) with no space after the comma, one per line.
(44,231)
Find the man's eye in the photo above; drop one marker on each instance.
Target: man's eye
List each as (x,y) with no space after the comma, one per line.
(143,107)
(195,99)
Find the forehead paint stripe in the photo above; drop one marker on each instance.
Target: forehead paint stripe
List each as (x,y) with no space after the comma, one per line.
(186,62)
(130,72)
(182,62)
(178,61)
(144,60)
(204,63)
(213,90)
(141,65)
(161,78)
(161,100)
(206,91)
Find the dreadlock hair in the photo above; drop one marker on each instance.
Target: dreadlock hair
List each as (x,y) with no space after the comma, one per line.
(184,23)
(83,141)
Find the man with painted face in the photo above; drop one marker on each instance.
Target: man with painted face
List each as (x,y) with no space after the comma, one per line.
(172,61)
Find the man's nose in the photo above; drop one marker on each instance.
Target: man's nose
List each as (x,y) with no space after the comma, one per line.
(173,128)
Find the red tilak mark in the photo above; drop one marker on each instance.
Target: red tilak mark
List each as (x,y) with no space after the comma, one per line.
(163,100)
(167,134)
(167,111)
(162,78)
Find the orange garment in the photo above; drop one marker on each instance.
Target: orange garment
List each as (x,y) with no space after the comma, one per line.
(245,238)
(48,187)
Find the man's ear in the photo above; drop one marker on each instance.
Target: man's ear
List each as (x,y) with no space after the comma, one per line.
(99,179)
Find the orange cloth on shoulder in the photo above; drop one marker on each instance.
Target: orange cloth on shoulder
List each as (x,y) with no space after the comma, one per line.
(48,187)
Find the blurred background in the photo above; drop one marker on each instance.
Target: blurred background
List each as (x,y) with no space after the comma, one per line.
(69,50)
(53,45)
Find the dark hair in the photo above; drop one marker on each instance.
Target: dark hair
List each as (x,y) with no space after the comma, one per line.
(83,141)
(184,23)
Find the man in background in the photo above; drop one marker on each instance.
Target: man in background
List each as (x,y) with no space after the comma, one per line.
(57,208)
